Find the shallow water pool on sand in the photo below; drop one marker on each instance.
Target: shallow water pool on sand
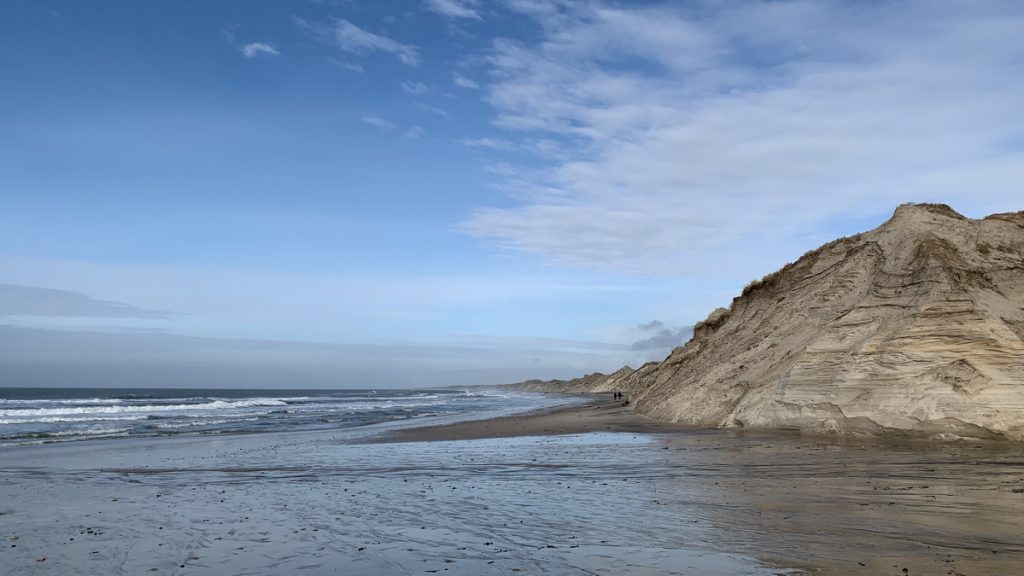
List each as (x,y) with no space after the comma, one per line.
(690,503)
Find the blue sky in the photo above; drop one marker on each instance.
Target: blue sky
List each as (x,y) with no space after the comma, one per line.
(523,184)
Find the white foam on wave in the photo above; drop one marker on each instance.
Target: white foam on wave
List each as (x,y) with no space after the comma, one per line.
(94,432)
(70,419)
(91,432)
(337,399)
(194,423)
(380,405)
(68,401)
(140,408)
(492,394)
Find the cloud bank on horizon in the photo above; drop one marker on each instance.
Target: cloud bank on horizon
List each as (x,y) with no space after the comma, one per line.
(520,173)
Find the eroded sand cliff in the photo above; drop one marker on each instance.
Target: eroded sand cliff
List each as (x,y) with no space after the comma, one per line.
(916,327)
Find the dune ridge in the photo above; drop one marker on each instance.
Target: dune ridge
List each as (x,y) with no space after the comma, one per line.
(913,328)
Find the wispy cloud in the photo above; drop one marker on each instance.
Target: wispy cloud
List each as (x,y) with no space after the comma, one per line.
(492,143)
(415,88)
(463,82)
(41,357)
(693,142)
(378,122)
(350,66)
(355,40)
(415,132)
(454,8)
(33,301)
(257,49)
(432,109)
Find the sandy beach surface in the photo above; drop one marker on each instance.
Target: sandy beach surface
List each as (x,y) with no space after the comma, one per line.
(600,414)
(587,490)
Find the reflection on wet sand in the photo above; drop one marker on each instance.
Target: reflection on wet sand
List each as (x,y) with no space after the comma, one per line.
(860,507)
(604,503)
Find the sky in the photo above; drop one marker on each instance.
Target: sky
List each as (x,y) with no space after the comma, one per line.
(453,192)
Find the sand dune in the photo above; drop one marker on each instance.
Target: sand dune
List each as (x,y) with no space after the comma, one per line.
(914,328)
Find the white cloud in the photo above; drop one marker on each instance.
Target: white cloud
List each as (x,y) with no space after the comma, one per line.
(350,66)
(415,87)
(45,357)
(32,301)
(257,49)
(355,40)
(492,143)
(730,140)
(454,8)
(415,132)
(432,109)
(378,122)
(339,306)
(463,82)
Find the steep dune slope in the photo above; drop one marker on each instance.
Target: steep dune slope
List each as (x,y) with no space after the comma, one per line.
(916,326)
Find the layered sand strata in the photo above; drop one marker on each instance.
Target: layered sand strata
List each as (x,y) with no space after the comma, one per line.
(914,328)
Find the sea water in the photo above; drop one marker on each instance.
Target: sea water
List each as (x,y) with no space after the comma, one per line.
(61,414)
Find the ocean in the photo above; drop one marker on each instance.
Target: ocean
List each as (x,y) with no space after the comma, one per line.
(40,415)
(187,493)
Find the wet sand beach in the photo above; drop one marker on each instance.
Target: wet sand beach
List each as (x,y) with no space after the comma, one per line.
(617,500)
(600,414)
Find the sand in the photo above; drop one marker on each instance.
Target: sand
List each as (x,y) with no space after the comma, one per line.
(600,414)
(915,328)
(622,499)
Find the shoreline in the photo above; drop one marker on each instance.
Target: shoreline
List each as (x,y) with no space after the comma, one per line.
(96,415)
(599,414)
(588,487)
(603,414)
